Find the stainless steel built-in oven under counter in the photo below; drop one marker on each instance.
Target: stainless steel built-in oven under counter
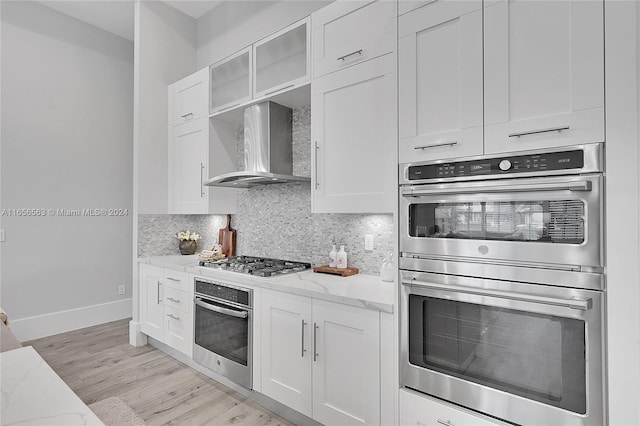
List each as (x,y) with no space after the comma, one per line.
(223,329)
(502,295)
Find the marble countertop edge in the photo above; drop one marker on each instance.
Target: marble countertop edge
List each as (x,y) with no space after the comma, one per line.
(360,290)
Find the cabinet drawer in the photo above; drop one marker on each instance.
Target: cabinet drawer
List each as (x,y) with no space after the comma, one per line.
(178,330)
(348,32)
(178,299)
(416,409)
(177,279)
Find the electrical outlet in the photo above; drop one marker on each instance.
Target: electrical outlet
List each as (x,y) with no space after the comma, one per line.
(121,289)
(368,242)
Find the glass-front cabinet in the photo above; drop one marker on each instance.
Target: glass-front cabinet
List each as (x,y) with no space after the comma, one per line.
(282,60)
(230,82)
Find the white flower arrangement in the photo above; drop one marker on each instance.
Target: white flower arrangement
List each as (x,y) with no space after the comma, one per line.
(187,236)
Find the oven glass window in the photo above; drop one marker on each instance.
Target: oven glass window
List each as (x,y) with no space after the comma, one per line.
(556,221)
(222,334)
(535,356)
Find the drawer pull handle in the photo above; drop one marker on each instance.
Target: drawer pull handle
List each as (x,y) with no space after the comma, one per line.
(277,90)
(187,115)
(445,423)
(534,132)
(357,52)
(173,279)
(159,300)
(173,300)
(173,317)
(436,145)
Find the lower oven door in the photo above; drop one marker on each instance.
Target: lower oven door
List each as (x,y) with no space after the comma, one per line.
(524,353)
(222,339)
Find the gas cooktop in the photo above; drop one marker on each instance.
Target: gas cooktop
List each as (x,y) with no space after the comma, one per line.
(259,266)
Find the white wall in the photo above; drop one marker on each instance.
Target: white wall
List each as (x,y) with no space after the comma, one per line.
(623,211)
(234,25)
(67,127)
(165,52)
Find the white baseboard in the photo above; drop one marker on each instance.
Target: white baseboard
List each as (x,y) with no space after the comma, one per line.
(73,319)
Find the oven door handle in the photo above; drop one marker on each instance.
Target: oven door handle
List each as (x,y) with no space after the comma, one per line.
(581,304)
(486,187)
(224,311)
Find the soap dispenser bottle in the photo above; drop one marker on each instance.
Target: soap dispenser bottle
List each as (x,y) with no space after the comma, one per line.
(332,256)
(341,258)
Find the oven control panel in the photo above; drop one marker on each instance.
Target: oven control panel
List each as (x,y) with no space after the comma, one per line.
(224,292)
(542,162)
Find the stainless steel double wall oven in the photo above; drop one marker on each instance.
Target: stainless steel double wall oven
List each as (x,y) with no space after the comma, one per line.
(502,294)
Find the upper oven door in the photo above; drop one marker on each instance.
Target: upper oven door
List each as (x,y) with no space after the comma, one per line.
(547,222)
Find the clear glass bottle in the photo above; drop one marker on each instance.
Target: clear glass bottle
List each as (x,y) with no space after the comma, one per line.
(332,256)
(341,258)
(388,269)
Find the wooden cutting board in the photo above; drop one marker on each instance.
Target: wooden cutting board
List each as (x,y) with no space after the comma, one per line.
(227,239)
(345,272)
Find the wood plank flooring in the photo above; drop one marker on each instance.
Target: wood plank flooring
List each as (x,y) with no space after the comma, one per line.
(98,363)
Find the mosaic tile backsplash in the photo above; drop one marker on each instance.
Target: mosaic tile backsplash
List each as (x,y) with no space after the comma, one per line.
(276,220)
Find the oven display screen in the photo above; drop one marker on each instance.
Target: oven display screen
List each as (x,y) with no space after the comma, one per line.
(565,160)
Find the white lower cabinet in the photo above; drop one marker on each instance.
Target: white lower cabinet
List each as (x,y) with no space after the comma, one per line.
(166,307)
(421,410)
(321,358)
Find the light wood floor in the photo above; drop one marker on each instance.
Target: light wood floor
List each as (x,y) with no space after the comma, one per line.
(98,363)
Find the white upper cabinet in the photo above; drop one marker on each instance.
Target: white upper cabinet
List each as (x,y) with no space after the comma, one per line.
(543,74)
(197,151)
(188,99)
(188,168)
(440,81)
(230,81)
(354,134)
(348,32)
(281,61)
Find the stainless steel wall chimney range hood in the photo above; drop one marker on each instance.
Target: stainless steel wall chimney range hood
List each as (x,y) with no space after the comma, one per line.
(268,152)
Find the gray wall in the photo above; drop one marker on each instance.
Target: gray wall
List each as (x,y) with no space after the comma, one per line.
(67,128)
(165,53)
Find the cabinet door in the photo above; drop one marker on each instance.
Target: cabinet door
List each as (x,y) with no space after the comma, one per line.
(354,131)
(281,61)
(440,81)
(348,32)
(544,74)
(188,154)
(230,81)
(287,349)
(188,97)
(346,370)
(178,329)
(151,301)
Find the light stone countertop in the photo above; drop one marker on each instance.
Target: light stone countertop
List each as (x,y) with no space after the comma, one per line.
(32,393)
(365,291)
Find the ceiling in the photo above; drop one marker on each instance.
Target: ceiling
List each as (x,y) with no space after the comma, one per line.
(116,16)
